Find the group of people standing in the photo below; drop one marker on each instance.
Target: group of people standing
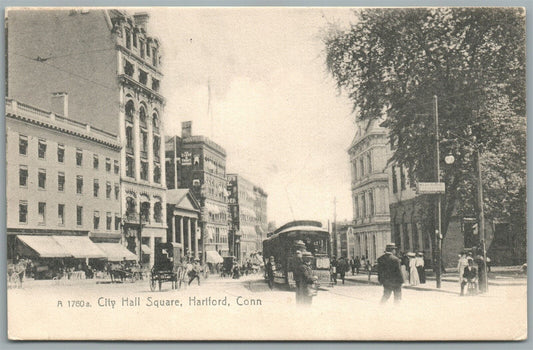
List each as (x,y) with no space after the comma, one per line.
(412,268)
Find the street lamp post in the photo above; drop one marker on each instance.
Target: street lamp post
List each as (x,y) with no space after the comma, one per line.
(449,160)
(438,234)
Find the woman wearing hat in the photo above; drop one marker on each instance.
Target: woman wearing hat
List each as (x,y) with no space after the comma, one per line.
(414,279)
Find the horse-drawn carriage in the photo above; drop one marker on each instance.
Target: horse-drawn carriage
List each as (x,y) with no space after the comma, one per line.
(167,266)
(124,271)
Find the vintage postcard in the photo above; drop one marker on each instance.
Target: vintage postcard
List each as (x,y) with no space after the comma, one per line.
(266,173)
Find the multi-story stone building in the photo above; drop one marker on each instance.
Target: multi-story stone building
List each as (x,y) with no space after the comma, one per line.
(199,164)
(246,229)
(260,207)
(110,67)
(369,154)
(62,180)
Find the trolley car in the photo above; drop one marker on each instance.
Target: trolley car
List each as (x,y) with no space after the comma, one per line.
(299,235)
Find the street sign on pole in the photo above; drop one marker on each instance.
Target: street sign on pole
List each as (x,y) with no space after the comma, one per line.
(430,187)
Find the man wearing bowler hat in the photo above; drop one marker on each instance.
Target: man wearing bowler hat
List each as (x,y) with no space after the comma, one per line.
(389,274)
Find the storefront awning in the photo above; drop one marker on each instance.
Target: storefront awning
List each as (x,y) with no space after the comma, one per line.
(116,252)
(146,249)
(212,256)
(79,246)
(44,246)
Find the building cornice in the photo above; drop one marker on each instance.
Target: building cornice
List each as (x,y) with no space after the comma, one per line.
(135,85)
(49,120)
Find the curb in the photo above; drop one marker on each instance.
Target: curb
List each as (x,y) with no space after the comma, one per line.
(404,287)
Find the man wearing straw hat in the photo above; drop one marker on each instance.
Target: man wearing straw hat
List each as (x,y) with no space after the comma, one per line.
(389,274)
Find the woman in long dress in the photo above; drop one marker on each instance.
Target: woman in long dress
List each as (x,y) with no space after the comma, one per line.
(403,267)
(414,280)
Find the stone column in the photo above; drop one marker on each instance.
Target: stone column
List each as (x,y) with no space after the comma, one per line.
(181,233)
(195,239)
(173,239)
(189,245)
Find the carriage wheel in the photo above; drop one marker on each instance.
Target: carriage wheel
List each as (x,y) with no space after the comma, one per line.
(152,283)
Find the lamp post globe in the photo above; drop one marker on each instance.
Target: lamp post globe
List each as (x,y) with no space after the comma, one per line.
(449,159)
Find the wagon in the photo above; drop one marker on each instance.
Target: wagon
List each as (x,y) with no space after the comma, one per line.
(167,266)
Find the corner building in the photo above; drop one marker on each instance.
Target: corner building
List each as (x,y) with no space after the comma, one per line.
(110,67)
(62,186)
(369,154)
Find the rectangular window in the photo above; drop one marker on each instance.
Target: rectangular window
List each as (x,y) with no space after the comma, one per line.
(61,214)
(157,174)
(130,166)
(143,77)
(356,206)
(23,211)
(61,182)
(108,190)
(96,220)
(156,147)
(61,153)
(147,50)
(79,215)
(42,179)
(129,138)
(142,48)
(96,161)
(144,170)
(96,187)
(128,68)
(117,168)
(134,38)
(144,143)
(108,165)
(23,176)
(363,205)
(117,222)
(42,212)
(108,221)
(371,203)
(154,57)
(362,166)
(128,39)
(79,184)
(23,145)
(116,191)
(42,149)
(155,84)
(79,157)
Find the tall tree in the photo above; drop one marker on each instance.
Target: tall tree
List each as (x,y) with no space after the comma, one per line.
(392,62)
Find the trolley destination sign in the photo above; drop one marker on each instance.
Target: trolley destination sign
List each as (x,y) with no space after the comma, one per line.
(430,187)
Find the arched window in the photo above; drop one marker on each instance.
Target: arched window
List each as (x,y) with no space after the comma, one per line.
(145,211)
(142,116)
(158,212)
(131,208)
(130,111)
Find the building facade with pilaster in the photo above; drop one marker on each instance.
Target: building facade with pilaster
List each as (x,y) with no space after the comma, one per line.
(110,67)
(369,154)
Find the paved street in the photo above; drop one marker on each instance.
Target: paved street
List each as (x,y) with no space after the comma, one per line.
(348,311)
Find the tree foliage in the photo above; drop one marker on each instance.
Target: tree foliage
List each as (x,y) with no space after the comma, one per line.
(392,62)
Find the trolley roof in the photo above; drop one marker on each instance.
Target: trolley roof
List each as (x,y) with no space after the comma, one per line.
(307,226)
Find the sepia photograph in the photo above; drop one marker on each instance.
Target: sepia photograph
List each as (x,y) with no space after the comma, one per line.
(266,173)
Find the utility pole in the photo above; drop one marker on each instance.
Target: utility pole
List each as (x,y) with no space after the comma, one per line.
(438,231)
(335,223)
(482,218)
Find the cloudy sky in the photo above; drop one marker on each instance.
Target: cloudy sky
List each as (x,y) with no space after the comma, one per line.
(274,108)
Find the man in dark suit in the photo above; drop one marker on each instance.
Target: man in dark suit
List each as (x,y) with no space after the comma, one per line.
(469,275)
(390,275)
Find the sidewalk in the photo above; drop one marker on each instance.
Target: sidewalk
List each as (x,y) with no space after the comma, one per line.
(450,282)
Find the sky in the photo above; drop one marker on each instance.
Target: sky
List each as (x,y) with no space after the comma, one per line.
(274,107)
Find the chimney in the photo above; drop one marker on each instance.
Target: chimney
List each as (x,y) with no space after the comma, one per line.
(60,103)
(141,19)
(186,129)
